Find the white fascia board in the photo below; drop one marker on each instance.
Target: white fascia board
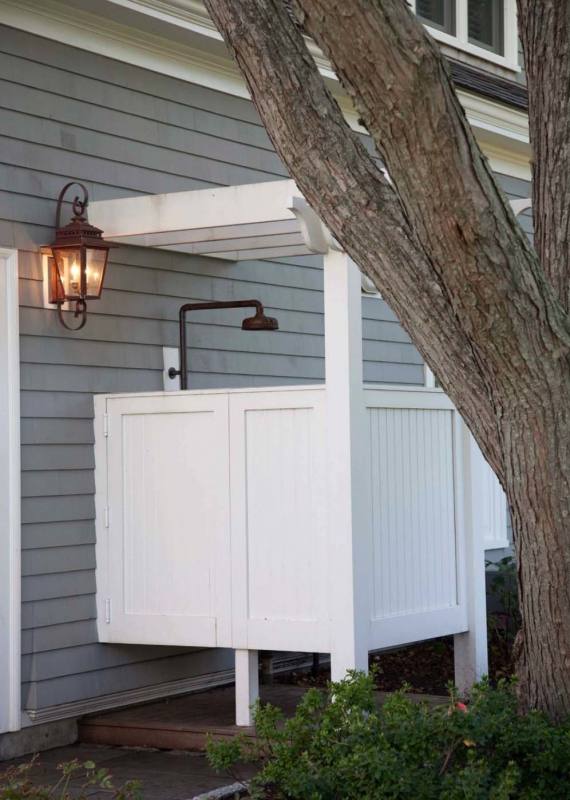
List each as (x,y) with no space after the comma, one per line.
(191,49)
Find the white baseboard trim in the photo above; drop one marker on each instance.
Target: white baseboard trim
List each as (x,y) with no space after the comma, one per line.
(158,691)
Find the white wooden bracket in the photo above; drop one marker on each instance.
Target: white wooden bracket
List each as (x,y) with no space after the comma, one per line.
(316,235)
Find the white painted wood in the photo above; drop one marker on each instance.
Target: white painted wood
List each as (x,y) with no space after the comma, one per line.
(470,648)
(521,204)
(348,489)
(170,358)
(168,559)
(416,517)
(490,501)
(10,580)
(247,685)
(413,511)
(279,546)
(315,555)
(102,518)
(234,222)
(429,378)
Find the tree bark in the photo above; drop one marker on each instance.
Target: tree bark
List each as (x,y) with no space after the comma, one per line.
(444,249)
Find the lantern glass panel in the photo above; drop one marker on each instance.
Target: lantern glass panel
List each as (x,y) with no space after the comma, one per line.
(96,260)
(68,262)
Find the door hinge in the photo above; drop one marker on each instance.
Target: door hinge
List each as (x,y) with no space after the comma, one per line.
(108,610)
(106,517)
(105,424)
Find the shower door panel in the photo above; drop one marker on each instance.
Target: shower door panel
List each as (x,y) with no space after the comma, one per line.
(279,552)
(164,559)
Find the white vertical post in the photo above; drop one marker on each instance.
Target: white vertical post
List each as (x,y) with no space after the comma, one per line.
(348,511)
(247,685)
(470,648)
(10,572)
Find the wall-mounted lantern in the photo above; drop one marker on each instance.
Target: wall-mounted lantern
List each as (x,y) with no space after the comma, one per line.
(78,259)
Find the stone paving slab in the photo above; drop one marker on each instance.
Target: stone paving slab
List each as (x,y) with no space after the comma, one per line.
(165,775)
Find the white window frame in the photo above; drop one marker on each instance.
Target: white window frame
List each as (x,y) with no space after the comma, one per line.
(509,58)
(10,543)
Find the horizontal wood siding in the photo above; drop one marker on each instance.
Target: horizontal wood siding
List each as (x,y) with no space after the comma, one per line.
(124,131)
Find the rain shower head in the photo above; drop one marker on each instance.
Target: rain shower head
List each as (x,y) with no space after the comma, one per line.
(259,322)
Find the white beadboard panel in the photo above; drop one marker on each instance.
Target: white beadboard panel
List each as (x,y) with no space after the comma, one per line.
(491,502)
(412,475)
(168,512)
(279,546)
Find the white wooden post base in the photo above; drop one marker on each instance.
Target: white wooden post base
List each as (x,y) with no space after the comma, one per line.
(470,648)
(247,685)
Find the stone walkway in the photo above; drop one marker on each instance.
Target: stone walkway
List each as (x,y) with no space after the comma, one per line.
(165,775)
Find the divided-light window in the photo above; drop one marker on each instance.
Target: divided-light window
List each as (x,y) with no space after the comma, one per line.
(438,14)
(474,25)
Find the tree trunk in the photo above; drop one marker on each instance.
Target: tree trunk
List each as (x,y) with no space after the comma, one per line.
(444,249)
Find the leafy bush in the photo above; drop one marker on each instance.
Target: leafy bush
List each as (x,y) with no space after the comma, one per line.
(340,744)
(77,781)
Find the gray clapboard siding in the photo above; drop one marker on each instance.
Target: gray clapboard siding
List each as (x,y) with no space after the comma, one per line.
(60,431)
(58,611)
(70,584)
(54,637)
(57,457)
(56,404)
(124,131)
(113,681)
(46,560)
(64,482)
(57,509)
(57,534)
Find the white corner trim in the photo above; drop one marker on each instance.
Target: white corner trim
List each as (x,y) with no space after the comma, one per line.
(10,580)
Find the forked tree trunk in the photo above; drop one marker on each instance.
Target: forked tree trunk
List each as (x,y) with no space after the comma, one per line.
(444,249)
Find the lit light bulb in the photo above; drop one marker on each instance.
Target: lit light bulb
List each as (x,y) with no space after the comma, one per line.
(74,274)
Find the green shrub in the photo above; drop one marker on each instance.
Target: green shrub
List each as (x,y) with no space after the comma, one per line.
(77,781)
(340,744)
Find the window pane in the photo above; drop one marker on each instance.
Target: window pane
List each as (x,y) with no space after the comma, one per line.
(485,24)
(437,13)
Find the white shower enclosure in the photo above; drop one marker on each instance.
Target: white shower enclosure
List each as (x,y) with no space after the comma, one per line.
(338,518)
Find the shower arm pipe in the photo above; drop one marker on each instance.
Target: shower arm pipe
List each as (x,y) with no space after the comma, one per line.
(183,371)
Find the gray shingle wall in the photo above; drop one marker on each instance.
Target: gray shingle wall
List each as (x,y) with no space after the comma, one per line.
(124,131)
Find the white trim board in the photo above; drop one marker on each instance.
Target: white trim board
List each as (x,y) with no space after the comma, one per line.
(10,580)
(198,56)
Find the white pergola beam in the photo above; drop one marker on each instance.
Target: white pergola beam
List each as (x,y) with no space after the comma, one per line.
(196,209)
(237,223)
(204,236)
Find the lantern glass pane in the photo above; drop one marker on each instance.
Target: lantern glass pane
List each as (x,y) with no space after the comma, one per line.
(95,267)
(68,261)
